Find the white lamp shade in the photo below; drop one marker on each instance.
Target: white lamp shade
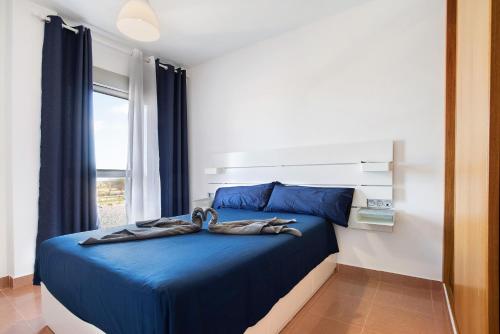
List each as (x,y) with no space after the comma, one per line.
(138,21)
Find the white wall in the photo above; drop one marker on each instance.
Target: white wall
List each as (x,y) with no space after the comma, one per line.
(374,71)
(24,139)
(22,151)
(5,8)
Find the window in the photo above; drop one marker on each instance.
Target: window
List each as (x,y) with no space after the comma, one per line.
(111,138)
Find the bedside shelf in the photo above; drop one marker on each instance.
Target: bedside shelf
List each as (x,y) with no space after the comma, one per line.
(369,221)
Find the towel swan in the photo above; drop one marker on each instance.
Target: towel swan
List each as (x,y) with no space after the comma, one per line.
(248,227)
(198,216)
(214,216)
(154,228)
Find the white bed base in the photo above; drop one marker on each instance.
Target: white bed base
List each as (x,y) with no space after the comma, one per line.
(61,320)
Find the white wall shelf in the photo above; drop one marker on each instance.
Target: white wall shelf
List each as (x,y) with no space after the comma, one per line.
(370,223)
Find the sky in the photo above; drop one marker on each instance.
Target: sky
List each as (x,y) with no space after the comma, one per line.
(110,131)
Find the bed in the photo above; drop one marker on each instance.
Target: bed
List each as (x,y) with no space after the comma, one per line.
(195,283)
(206,283)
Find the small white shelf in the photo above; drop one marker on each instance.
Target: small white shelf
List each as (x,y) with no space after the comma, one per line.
(372,224)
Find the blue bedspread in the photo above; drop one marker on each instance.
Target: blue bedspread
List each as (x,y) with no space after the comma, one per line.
(186,284)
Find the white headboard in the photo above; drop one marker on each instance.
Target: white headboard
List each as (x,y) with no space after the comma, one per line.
(365,166)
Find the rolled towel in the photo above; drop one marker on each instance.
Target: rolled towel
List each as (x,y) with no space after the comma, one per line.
(155,228)
(250,227)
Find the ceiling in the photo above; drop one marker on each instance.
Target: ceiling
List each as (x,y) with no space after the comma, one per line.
(194,31)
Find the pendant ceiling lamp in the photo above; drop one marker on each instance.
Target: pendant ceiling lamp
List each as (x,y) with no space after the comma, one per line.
(138,21)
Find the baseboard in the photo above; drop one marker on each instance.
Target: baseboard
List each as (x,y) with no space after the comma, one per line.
(387,276)
(9,282)
(4,282)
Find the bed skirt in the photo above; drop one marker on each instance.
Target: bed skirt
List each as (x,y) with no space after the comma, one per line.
(61,320)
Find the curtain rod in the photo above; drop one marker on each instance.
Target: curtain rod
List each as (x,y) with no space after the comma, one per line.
(101,41)
(148,60)
(164,66)
(65,26)
(95,38)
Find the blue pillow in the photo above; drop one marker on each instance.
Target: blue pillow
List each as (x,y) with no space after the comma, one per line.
(330,203)
(243,197)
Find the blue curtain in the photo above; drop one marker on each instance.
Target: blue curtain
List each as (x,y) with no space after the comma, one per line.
(172,137)
(67,190)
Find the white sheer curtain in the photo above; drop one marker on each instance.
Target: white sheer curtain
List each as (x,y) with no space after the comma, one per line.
(142,191)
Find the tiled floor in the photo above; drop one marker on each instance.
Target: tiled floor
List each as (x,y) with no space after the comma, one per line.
(20,311)
(357,301)
(353,301)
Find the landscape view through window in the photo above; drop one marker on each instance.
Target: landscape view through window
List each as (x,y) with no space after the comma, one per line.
(111,136)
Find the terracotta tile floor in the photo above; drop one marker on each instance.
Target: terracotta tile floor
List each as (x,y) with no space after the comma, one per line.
(356,301)
(20,311)
(351,302)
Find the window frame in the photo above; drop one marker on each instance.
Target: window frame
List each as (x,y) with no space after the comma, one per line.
(110,83)
(111,91)
(104,83)
(110,174)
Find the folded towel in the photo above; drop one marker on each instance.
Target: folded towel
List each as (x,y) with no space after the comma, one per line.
(149,229)
(250,227)
(165,227)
